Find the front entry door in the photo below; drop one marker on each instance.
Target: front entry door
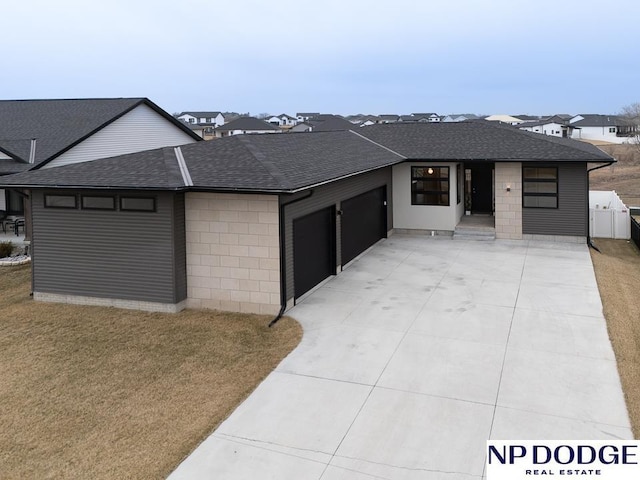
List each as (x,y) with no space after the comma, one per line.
(481,188)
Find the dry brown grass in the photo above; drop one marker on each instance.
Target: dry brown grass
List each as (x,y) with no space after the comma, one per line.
(623,177)
(103,393)
(618,273)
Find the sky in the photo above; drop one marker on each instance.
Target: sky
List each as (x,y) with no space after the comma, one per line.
(331,56)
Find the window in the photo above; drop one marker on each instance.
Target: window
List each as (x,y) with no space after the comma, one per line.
(430,186)
(14,203)
(94,202)
(138,204)
(612,129)
(540,187)
(61,201)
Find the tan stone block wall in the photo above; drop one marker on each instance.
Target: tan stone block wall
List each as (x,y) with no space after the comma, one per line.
(233,253)
(508,213)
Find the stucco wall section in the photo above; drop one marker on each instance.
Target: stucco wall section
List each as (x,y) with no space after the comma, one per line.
(508,214)
(233,254)
(424,217)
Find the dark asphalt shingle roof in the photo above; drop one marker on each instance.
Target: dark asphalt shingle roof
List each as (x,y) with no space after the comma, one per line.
(289,162)
(200,114)
(248,124)
(477,140)
(593,120)
(57,125)
(243,162)
(331,124)
(152,169)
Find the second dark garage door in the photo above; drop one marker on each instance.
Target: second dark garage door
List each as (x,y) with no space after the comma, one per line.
(364,222)
(313,249)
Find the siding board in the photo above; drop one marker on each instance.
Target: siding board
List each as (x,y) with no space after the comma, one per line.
(140,129)
(111,254)
(571,216)
(325,196)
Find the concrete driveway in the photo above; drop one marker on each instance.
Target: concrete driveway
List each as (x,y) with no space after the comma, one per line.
(416,354)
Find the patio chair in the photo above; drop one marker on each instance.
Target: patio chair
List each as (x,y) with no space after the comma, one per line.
(4,221)
(19,222)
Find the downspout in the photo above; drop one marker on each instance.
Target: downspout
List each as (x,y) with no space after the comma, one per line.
(283,259)
(589,170)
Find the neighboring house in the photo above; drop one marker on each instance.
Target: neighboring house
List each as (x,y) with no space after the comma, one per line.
(282,120)
(301,127)
(530,118)
(245,125)
(203,130)
(504,119)
(554,126)
(363,120)
(601,128)
(427,117)
(253,222)
(370,120)
(215,119)
(388,118)
(460,117)
(327,123)
(40,134)
(304,116)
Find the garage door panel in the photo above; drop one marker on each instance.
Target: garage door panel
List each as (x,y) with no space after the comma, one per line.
(363,222)
(313,249)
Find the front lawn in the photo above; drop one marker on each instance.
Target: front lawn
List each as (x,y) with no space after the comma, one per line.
(94,392)
(618,274)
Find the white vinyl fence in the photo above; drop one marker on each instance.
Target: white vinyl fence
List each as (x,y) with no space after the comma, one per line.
(608,216)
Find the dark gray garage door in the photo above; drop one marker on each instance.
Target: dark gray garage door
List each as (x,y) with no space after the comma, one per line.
(313,249)
(364,222)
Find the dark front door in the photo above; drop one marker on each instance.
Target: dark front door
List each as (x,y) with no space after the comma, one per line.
(313,249)
(364,222)
(481,188)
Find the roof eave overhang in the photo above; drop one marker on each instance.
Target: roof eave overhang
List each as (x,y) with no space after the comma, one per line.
(541,160)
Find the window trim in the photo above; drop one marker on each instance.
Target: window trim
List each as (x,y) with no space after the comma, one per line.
(70,195)
(113,197)
(541,180)
(415,179)
(126,197)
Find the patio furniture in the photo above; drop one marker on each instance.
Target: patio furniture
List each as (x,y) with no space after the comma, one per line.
(19,222)
(4,221)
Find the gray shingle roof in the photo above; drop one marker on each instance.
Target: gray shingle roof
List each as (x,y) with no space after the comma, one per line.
(247,123)
(200,114)
(331,123)
(58,125)
(477,140)
(286,163)
(592,120)
(153,169)
(265,163)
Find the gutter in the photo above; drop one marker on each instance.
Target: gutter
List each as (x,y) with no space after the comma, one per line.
(283,259)
(589,170)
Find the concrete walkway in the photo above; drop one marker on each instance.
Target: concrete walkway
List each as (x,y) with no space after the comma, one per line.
(416,354)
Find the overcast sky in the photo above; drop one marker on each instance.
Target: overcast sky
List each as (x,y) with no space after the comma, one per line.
(331,56)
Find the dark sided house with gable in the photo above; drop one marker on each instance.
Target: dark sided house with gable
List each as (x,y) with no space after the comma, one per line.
(38,134)
(253,222)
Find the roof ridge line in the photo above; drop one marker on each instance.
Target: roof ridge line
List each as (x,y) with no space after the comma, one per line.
(184,169)
(379,145)
(262,159)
